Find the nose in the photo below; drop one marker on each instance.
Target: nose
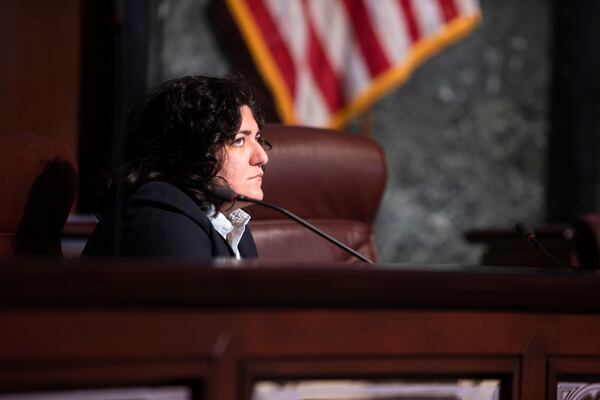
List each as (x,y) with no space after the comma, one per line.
(259,155)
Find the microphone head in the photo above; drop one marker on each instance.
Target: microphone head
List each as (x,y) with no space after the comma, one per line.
(523,229)
(224,193)
(527,232)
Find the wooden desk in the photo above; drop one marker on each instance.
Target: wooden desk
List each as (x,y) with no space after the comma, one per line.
(508,248)
(218,330)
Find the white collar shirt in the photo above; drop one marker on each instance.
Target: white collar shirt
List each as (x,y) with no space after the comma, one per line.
(232,228)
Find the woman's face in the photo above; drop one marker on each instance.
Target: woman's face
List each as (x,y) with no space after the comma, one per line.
(244,159)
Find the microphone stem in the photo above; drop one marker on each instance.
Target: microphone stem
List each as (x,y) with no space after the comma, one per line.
(529,235)
(307,225)
(537,244)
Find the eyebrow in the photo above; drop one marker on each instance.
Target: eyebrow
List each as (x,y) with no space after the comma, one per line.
(248,132)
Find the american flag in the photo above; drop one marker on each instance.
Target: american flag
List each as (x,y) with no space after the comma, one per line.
(327,60)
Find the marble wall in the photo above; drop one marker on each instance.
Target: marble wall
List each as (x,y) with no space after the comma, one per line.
(465,138)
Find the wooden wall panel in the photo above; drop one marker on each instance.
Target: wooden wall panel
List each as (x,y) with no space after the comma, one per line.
(39,68)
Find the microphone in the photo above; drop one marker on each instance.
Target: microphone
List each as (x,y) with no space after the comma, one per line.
(528,233)
(225,193)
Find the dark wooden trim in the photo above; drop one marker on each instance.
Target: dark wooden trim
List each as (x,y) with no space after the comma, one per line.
(83,283)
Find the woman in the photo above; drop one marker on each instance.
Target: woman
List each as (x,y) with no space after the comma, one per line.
(183,138)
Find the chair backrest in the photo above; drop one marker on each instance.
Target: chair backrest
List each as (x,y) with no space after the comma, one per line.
(38,187)
(587,240)
(334,180)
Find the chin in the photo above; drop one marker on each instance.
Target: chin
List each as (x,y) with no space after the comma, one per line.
(253,194)
(256,195)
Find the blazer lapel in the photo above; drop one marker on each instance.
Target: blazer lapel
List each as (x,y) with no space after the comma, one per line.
(247,247)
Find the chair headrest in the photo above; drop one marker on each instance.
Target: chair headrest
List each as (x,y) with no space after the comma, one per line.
(323,174)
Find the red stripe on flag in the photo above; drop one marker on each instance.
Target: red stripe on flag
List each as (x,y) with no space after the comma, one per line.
(371,49)
(275,43)
(449,10)
(322,71)
(411,20)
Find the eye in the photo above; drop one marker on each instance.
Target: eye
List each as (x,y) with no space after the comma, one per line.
(238,142)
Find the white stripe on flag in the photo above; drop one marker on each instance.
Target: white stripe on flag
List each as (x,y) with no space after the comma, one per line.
(334,30)
(288,18)
(310,107)
(390,27)
(429,16)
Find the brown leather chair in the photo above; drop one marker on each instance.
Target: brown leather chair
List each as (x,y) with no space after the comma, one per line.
(38,187)
(334,180)
(587,240)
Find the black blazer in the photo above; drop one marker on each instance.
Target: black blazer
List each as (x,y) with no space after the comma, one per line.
(160,220)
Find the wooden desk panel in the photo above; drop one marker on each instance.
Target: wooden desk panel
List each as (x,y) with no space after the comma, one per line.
(219,330)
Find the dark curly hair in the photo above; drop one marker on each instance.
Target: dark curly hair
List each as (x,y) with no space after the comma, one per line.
(176,134)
